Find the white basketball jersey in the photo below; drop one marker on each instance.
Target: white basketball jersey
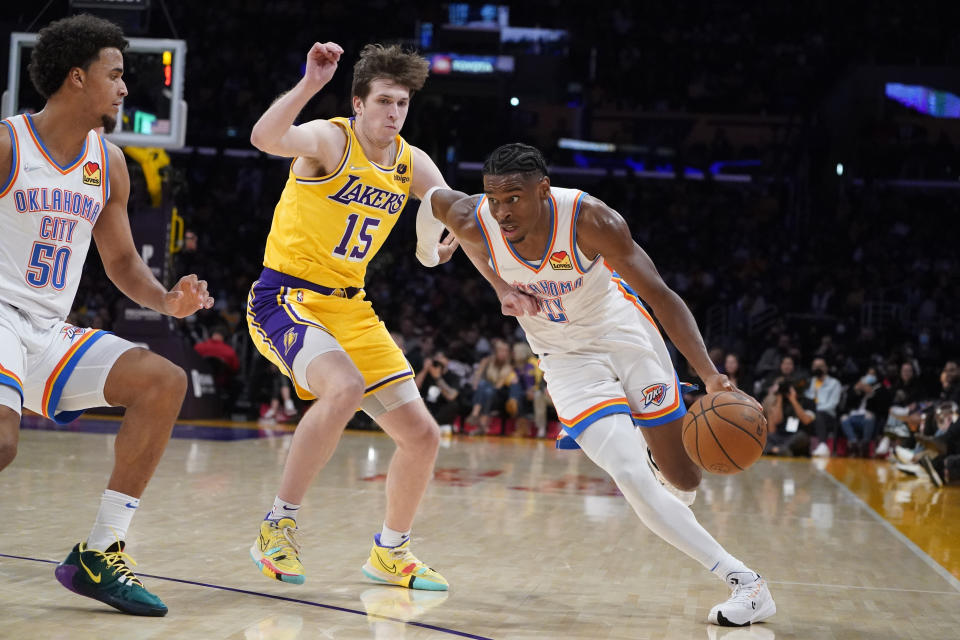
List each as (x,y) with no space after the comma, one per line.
(581,301)
(47,213)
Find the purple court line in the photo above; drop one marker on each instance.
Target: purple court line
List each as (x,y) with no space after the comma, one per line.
(423,625)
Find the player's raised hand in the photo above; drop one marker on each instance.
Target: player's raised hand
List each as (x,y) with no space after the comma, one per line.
(447,248)
(187,297)
(518,303)
(322,62)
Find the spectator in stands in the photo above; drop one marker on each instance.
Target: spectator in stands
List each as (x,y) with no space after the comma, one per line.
(941,457)
(824,390)
(440,390)
(733,370)
(950,382)
(529,391)
(786,370)
(790,417)
(281,407)
(865,402)
(216,347)
(907,390)
(491,381)
(772,358)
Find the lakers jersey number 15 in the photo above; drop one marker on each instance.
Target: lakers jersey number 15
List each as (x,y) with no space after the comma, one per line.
(327,229)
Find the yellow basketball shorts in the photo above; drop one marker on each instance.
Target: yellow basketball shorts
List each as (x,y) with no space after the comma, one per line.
(281,310)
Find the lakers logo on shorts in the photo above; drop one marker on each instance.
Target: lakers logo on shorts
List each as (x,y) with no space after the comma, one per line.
(560,261)
(91,174)
(289,339)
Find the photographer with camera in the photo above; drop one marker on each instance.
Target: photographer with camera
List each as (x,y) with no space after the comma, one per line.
(440,389)
(790,416)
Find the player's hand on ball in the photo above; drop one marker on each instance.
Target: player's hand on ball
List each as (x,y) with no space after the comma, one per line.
(188,296)
(448,246)
(719,382)
(322,63)
(516,303)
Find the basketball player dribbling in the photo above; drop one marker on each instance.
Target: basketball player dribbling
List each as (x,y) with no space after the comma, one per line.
(62,184)
(605,363)
(307,313)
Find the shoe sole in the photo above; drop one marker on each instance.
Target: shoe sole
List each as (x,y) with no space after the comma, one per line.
(66,575)
(767,610)
(268,569)
(408,582)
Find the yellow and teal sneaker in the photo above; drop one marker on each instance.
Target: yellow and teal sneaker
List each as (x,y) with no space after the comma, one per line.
(105,576)
(276,551)
(397,565)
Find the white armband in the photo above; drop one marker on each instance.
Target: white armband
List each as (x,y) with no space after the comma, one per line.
(429,230)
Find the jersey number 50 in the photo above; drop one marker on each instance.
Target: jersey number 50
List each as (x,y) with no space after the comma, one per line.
(48,265)
(364,240)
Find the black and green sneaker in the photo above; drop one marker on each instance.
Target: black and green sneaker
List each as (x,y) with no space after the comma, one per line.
(104,576)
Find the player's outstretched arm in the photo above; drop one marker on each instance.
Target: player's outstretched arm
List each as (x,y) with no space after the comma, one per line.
(275,132)
(123,264)
(431,251)
(601,230)
(455,210)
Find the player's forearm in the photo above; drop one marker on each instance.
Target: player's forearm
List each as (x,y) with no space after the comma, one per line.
(277,120)
(481,261)
(136,281)
(682,329)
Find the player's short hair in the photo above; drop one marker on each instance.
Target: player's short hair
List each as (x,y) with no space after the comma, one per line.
(515,157)
(406,68)
(71,42)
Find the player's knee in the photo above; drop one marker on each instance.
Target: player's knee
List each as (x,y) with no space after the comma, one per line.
(422,436)
(346,390)
(172,381)
(430,436)
(8,441)
(8,451)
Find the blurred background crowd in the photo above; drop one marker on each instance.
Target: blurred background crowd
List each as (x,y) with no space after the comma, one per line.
(809,219)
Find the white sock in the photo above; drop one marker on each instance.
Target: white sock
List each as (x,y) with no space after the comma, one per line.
(113,519)
(391,538)
(732,571)
(617,447)
(283,509)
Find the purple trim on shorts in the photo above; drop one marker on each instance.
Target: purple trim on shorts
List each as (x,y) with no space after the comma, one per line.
(274,324)
(394,378)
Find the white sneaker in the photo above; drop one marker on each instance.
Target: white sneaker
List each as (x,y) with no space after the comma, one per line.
(903,455)
(686,497)
(750,602)
(821,451)
(883,448)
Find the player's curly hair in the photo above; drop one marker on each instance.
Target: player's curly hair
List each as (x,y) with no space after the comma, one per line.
(71,42)
(406,68)
(515,157)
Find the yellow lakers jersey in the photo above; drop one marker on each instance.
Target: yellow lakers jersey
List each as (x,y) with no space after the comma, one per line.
(327,229)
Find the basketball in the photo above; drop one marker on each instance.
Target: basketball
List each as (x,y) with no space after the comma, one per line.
(724,432)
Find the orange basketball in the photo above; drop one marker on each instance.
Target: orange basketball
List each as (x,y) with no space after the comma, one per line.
(724,432)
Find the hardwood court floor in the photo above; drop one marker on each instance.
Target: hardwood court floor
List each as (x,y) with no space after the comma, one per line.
(536,543)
